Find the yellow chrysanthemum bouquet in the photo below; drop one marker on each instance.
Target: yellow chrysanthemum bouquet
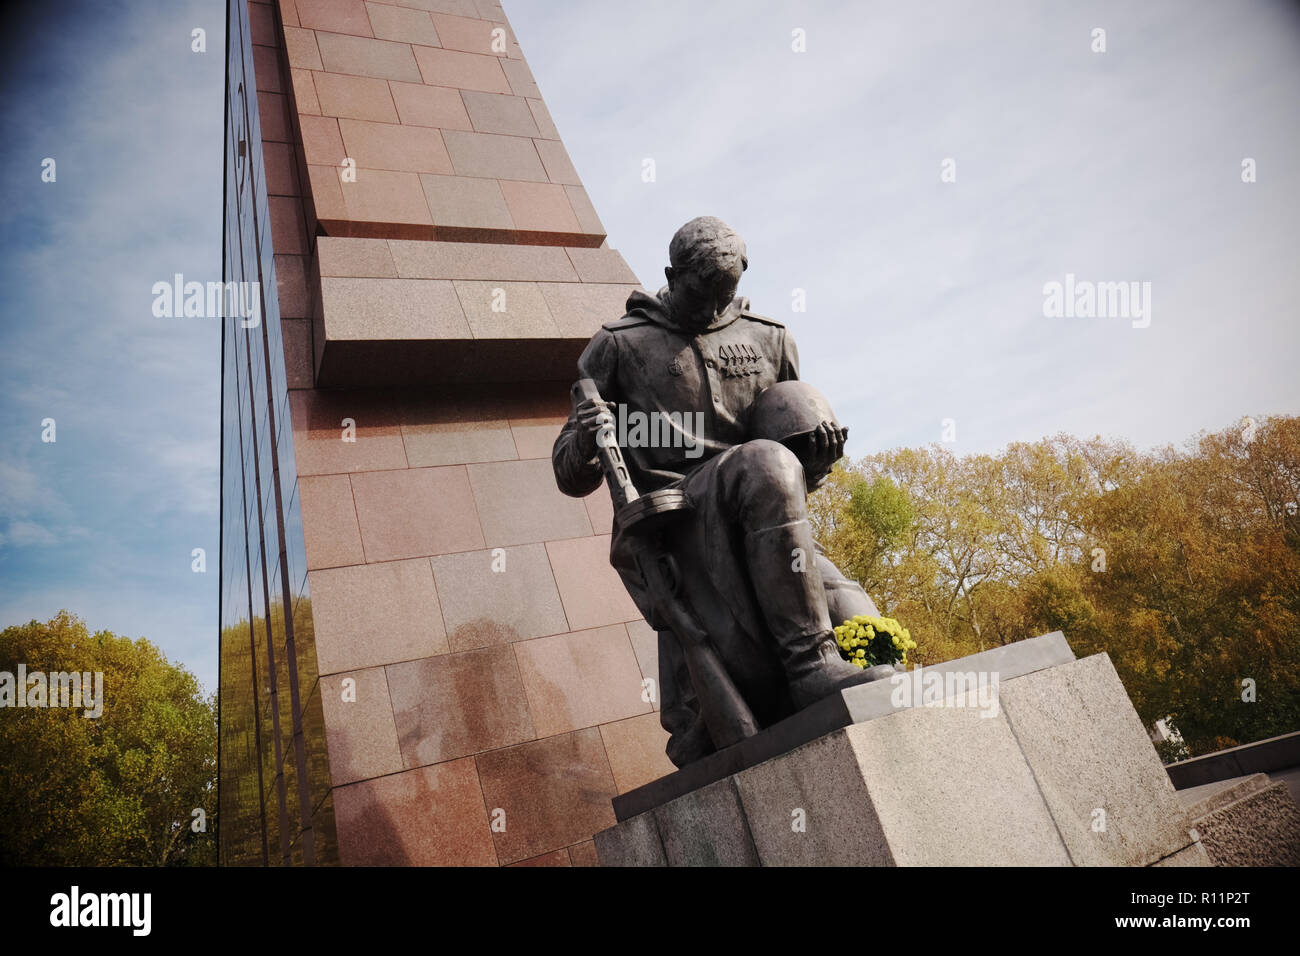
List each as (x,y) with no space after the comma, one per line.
(867,641)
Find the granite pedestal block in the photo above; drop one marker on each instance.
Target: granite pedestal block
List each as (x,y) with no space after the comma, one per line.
(1018,756)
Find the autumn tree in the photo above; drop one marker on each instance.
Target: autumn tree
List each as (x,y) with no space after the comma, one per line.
(117,789)
(1184,566)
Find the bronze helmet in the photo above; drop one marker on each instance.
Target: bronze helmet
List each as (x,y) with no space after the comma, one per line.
(787,410)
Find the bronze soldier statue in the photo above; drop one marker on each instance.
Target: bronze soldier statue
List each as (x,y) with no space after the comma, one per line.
(741,595)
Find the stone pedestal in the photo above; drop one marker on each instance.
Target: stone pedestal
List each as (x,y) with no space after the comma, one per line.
(1018,756)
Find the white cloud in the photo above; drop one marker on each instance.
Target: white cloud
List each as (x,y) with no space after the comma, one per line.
(25,494)
(23,534)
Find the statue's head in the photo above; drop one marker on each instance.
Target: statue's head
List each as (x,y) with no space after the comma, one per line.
(706,259)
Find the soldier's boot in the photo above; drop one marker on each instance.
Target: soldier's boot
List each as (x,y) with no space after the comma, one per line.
(793,603)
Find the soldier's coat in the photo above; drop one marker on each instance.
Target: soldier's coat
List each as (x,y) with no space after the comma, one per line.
(650,364)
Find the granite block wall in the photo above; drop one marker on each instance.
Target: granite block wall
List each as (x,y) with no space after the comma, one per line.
(438,268)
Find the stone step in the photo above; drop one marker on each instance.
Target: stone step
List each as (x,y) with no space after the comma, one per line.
(1209,797)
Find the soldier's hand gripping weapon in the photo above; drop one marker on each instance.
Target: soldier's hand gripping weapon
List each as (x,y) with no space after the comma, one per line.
(649,518)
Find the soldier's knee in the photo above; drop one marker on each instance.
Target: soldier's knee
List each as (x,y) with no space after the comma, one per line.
(760,451)
(770,466)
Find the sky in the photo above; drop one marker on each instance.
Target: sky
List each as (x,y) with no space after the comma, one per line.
(923,298)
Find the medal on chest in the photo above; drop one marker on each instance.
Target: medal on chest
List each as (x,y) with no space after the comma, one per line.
(739,360)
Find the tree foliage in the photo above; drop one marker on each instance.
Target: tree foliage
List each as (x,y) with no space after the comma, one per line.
(119,789)
(1183,565)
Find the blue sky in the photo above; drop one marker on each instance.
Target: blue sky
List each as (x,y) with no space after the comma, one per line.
(103,520)
(924,298)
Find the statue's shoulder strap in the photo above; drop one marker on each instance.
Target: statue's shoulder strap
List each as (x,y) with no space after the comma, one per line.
(627,322)
(755,317)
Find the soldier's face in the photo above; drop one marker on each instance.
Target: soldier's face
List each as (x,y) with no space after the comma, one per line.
(703,292)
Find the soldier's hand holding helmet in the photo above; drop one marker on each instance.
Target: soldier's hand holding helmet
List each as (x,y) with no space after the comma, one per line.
(824,446)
